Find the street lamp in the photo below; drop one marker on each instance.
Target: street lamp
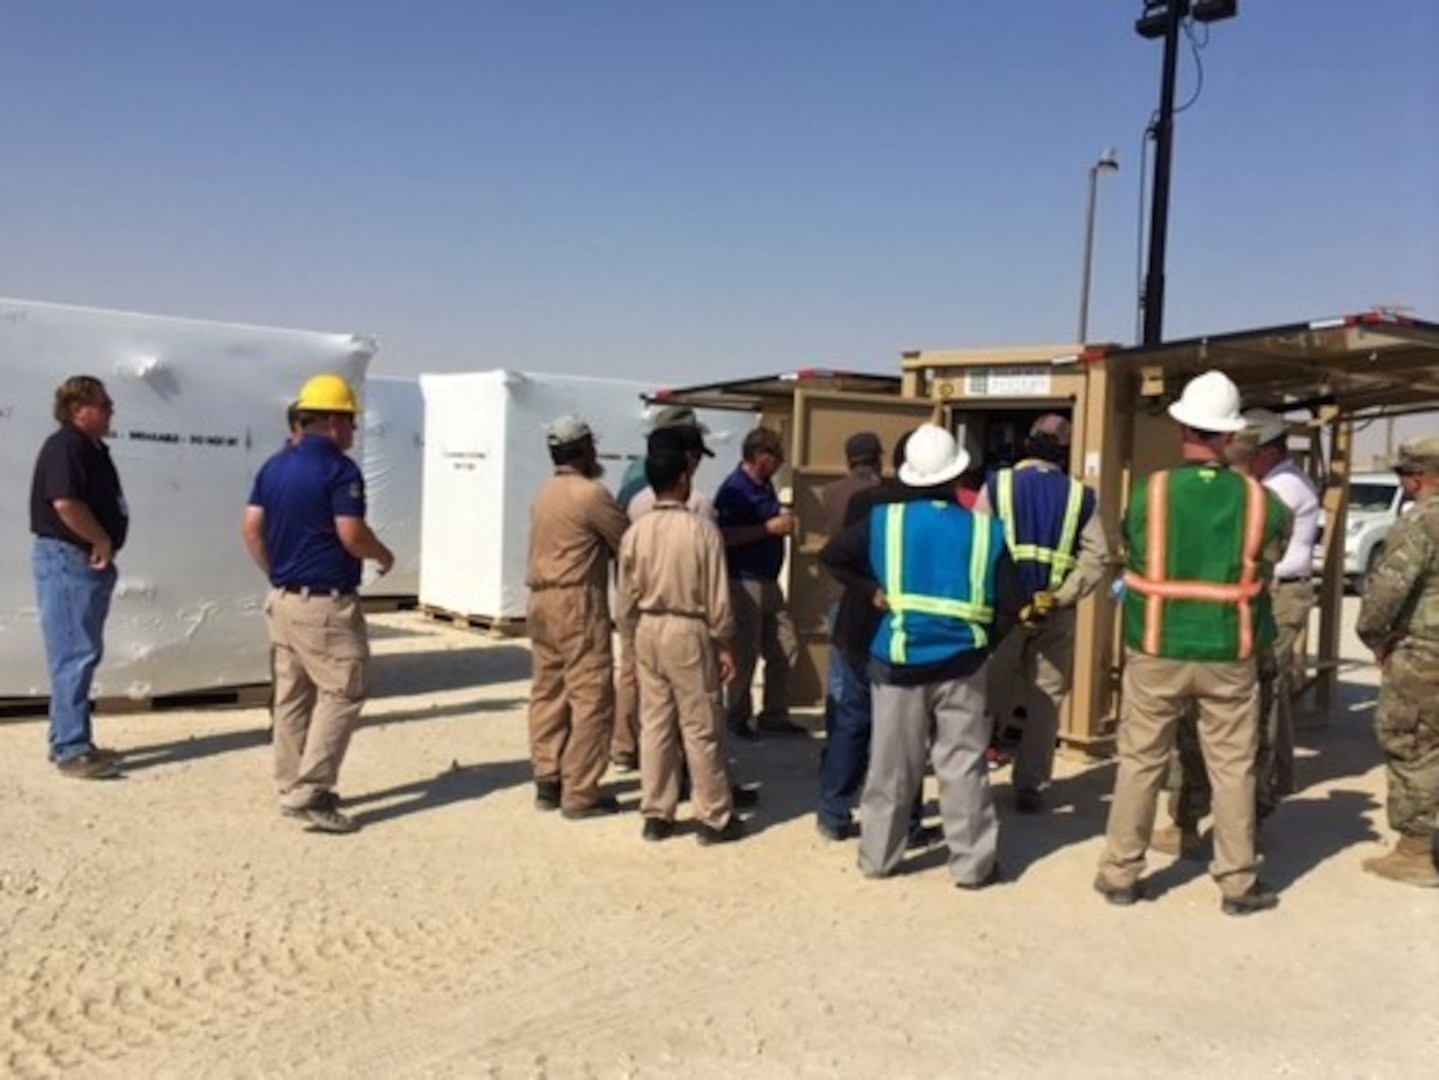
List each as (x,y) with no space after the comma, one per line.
(1108,162)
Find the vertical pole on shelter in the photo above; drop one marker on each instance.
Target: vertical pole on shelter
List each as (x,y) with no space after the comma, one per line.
(1163,159)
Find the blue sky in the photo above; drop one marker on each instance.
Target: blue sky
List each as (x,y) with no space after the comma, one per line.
(681,191)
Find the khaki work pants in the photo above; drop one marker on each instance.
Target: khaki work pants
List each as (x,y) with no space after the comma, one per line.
(572,696)
(1156,692)
(625,745)
(320,654)
(680,720)
(1035,667)
(1291,602)
(763,629)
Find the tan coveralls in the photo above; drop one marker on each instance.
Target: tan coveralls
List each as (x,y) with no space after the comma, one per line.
(673,598)
(625,746)
(575,529)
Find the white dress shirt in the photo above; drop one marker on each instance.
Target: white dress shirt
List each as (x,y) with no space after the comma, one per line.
(1296,491)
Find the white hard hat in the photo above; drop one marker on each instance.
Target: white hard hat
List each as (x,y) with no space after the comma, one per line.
(932,457)
(1210,402)
(1264,425)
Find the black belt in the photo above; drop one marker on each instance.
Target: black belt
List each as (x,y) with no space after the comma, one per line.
(1291,581)
(306,590)
(675,614)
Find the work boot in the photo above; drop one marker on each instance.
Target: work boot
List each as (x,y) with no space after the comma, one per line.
(1182,841)
(547,794)
(1258,897)
(1411,862)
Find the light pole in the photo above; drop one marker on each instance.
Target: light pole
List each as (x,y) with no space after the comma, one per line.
(1163,19)
(1108,162)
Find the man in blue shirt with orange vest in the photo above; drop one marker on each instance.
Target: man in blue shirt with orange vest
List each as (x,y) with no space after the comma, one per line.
(948,591)
(305,528)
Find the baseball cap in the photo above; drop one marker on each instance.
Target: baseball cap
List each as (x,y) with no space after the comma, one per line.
(1052,426)
(863,446)
(566,430)
(682,418)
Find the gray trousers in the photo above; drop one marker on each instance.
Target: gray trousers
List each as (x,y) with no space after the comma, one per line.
(946,719)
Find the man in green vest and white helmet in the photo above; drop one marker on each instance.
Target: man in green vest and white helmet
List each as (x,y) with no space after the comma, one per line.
(1202,541)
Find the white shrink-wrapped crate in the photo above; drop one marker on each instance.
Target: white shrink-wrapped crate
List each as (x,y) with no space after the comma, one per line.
(392,457)
(486,456)
(198,407)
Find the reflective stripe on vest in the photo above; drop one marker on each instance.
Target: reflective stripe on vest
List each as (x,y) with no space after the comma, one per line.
(1156,588)
(902,603)
(1060,560)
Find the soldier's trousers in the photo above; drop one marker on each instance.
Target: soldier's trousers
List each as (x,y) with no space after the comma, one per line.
(1156,692)
(681,719)
(1407,723)
(572,698)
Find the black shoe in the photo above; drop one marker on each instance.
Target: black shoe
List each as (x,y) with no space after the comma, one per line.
(1120,897)
(547,794)
(733,829)
(1260,897)
(991,878)
(740,729)
(601,807)
(1028,801)
(921,836)
(743,798)
(779,725)
(833,832)
(658,829)
(625,763)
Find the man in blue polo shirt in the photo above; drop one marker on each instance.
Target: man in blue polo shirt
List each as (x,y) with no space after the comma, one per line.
(305,528)
(754,526)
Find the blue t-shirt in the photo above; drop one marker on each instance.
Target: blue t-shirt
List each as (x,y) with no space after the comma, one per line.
(743,501)
(302,489)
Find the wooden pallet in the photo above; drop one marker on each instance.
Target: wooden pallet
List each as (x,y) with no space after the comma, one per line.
(249,696)
(377,605)
(497,626)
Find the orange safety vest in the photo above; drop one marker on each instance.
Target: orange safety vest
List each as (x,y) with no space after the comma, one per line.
(1184,563)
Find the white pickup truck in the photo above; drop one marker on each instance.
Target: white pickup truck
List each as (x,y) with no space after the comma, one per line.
(1375,502)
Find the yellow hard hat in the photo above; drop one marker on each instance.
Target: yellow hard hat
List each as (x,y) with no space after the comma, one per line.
(327,393)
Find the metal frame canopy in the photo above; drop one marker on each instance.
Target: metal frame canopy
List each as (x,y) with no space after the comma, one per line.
(1375,364)
(758,391)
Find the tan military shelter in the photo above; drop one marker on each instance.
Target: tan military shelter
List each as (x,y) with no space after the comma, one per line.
(1323,375)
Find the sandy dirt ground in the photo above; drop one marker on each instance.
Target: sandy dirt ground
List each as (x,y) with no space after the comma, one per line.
(171,923)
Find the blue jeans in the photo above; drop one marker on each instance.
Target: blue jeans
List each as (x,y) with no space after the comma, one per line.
(846,749)
(74,601)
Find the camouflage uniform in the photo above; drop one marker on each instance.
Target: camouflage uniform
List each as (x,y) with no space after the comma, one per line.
(1399,620)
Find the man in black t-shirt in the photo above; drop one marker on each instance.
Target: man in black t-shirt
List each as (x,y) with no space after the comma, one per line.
(79,518)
